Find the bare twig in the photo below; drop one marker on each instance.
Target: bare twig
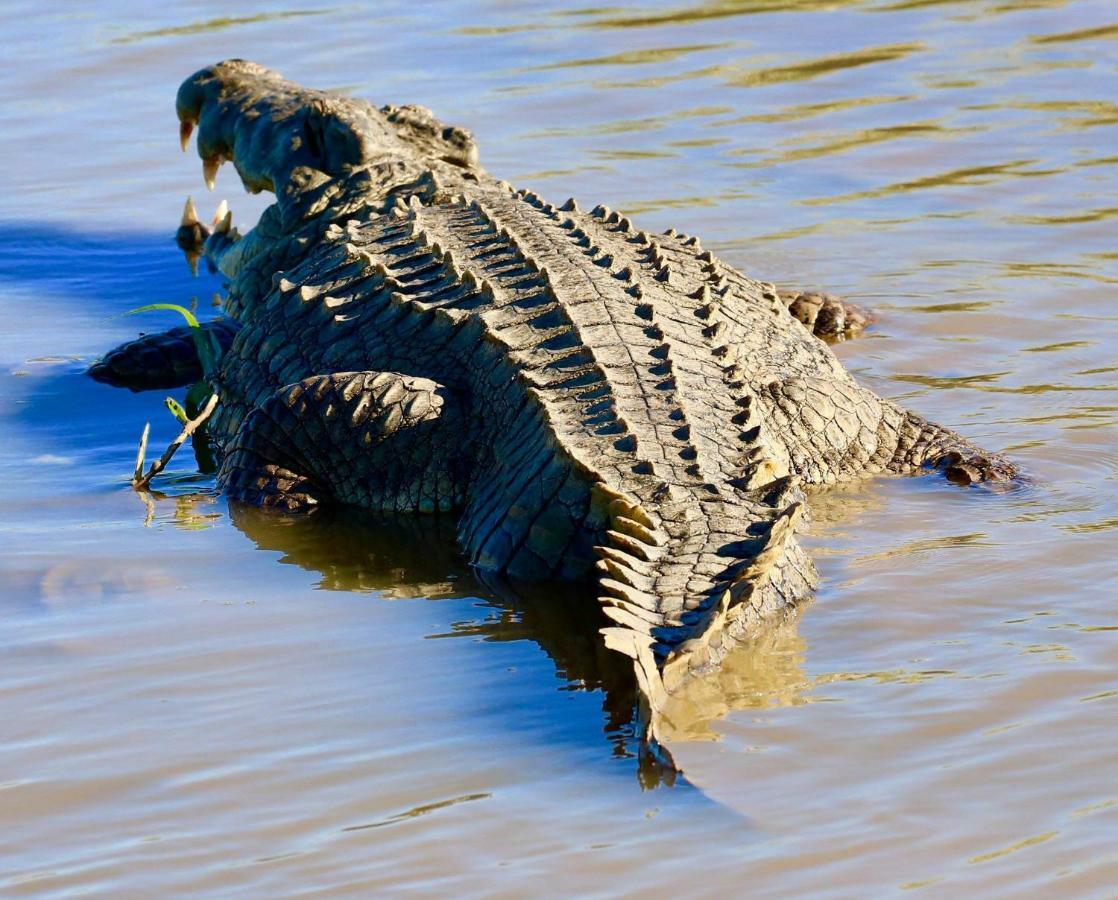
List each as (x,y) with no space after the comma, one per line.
(140,482)
(149,505)
(141,453)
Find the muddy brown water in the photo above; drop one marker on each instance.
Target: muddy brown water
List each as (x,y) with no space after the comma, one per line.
(195,701)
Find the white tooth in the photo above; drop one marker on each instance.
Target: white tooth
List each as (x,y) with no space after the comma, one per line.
(209,170)
(185,128)
(189,213)
(226,223)
(222,211)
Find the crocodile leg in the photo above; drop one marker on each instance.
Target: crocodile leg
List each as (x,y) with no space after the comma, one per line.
(167,359)
(388,442)
(827,316)
(922,444)
(829,430)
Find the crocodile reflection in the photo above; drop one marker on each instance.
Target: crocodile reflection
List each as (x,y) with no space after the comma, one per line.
(411,557)
(356,551)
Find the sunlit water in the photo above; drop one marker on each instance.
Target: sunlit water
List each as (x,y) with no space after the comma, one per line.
(196,701)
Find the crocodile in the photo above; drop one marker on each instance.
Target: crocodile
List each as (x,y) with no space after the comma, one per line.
(406,333)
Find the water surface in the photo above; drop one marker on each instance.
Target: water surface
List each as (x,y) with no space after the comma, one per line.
(200,701)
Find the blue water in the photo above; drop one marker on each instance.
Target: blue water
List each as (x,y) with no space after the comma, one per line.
(199,702)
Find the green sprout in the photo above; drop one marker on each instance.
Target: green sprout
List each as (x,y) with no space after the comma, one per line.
(207,346)
(197,397)
(176,409)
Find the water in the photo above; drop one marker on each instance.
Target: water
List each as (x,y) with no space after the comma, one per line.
(198,702)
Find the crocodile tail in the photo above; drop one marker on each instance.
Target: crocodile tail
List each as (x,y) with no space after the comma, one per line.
(740,600)
(167,359)
(730,586)
(628,562)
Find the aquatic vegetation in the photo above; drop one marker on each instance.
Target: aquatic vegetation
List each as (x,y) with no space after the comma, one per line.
(201,401)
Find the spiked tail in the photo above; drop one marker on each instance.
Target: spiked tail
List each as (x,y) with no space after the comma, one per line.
(682,589)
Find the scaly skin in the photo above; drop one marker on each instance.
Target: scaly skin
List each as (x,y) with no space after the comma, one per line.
(589,400)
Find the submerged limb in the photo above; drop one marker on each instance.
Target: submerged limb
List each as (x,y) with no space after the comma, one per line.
(922,444)
(380,440)
(830,431)
(825,315)
(167,359)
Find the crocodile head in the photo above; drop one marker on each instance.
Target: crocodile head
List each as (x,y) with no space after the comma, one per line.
(270,127)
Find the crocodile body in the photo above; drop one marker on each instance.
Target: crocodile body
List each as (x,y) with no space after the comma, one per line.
(593,402)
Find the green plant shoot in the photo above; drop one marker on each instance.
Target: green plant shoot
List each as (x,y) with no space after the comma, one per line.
(208,351)
(176,409)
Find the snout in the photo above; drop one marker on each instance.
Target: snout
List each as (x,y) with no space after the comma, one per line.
(267,126)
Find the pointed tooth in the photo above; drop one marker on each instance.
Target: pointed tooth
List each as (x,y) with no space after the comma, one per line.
(220,213)
(226,223)
(209,170)
(189,213)
(185,130)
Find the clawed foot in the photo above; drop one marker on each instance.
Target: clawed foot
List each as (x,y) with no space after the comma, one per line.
(976,468)
(825,315)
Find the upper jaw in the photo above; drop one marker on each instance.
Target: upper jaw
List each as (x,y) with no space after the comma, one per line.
(217,101)
(268,126)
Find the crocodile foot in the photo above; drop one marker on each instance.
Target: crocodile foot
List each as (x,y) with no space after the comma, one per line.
(826,315)
(976,468)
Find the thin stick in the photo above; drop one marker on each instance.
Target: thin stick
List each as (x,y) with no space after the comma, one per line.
(149,506)
(188,429)
(141,453)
